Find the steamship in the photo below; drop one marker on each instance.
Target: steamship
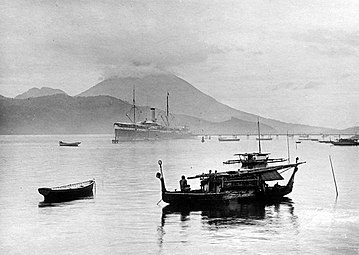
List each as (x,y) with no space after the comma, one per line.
(148,129)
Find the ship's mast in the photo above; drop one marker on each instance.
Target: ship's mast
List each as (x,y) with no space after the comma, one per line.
(133,108)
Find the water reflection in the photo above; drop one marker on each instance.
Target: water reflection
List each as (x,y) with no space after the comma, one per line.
(254,210)
(58,204)
(279,215)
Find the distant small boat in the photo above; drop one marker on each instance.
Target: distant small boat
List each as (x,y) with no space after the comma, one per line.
(252,160)
(298,142)
(229,139)
(304,138)
(61,143)
(324,141)
(68,192)
(265,138)
(346,142)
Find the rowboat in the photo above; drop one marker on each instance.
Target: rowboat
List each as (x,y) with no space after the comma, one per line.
(61,143)
(68,192)
(223,187)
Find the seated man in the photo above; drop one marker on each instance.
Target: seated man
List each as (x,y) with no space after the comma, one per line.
(183,184)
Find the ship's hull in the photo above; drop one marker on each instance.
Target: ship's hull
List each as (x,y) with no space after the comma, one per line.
(148,134)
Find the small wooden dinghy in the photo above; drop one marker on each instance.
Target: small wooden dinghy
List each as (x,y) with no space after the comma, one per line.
(61,143)
(68,192)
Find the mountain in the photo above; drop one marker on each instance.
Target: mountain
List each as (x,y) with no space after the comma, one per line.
(63,114)
(184,99)
(35,92)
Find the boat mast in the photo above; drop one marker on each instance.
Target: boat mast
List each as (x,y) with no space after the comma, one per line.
(167,110)
(134,105)
(259,139)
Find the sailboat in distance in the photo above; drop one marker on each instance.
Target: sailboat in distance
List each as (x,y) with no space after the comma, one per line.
(148,129)
(251,160)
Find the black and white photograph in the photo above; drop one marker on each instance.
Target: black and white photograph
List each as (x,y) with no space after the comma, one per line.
(179,127)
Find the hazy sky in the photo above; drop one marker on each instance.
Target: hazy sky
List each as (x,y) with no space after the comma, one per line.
(295,61)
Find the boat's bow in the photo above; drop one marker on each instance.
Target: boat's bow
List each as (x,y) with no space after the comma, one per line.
(159,175)
(44,191)
(289,186)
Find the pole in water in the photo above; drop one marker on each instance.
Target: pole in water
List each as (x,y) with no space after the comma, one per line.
(335,182)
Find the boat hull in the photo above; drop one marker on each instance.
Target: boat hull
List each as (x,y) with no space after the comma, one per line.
(229,139)
(148,134)
(69,144)
(196,198)
(345,143)
(52,195)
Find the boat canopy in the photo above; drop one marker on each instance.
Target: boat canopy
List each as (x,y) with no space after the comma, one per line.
(265,172)
(271,176)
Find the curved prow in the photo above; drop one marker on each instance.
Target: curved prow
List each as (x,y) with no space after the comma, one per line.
(291,180)
(160,176)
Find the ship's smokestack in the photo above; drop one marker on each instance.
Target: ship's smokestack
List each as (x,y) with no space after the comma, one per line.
(153,114)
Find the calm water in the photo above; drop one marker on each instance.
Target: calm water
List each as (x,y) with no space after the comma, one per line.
(123,217)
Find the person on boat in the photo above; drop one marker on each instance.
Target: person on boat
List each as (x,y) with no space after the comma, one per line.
(276,186)
(183,184)
(212,181)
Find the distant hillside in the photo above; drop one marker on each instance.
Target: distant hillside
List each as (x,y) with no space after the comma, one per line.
(351,130)
(59,114)
(184,99)
(62,114)
(35,92)
(232,126)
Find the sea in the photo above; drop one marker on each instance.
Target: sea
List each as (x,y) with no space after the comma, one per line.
(126,214)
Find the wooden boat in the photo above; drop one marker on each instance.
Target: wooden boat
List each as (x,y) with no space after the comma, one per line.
(240,186)
(255,159)
(61,143)
(68,192)
(346,142)
(252,160)
(229,139)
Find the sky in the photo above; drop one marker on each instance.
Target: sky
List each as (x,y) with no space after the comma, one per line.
(294,61)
